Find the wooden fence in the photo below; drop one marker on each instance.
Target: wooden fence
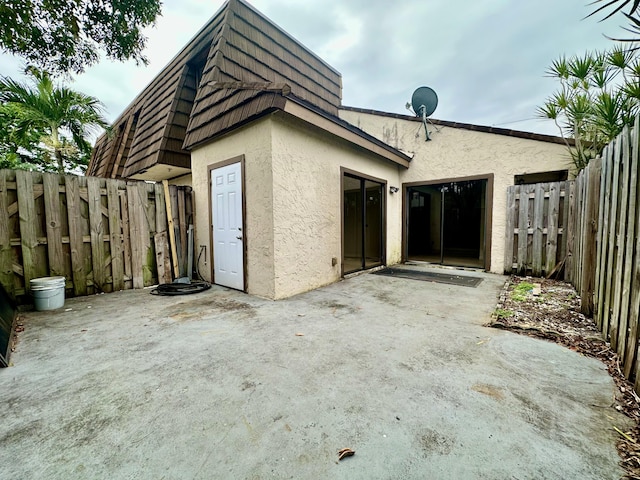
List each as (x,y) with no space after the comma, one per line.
(602,252)
(536,239)
(607,273)
(102,235)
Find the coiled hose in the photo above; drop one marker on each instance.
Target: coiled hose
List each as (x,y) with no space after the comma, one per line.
(177,288)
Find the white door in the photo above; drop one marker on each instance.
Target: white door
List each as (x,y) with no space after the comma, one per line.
(228,252)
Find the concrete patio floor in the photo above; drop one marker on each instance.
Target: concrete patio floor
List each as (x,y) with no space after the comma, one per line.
(219,386)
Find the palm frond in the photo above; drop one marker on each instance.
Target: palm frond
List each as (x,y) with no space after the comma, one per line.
(622,4)
(581,67)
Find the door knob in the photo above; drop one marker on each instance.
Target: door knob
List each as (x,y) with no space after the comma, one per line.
(239,237)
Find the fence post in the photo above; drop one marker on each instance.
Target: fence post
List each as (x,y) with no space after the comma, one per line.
(589,231)
(510,234)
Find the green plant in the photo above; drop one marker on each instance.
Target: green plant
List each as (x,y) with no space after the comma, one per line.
(501,313)
(67,36)
(45,125)
(599,95)
(520,291)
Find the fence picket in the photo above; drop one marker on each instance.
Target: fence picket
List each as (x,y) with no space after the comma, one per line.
(523,227)
(145,220)
(568,269)
(28,240)
(135,230)
(538,213)
(611,250)
(75,236)
(589,232)
(633,256)
(6,260)
(511,222)
(552,227)
(562,226)
(627,243)
(115,236)
(605,277)
(126,235)
(80,228)
(96,232)
(582,182)
(53,224)
(599,237)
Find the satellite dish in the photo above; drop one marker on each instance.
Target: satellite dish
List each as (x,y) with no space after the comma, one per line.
(424,97)
(424,102)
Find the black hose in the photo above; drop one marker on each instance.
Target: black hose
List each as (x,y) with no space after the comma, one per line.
(180,288)
(202,249)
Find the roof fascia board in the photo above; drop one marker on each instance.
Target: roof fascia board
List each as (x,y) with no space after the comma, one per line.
(540,137)
(338,130)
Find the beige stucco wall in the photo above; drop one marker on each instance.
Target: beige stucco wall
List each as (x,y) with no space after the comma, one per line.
(183,181)
(456,153)
(307,204)
(293,189)
(293,202)
(254,142)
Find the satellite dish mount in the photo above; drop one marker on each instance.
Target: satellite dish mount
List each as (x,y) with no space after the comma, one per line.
(424,102)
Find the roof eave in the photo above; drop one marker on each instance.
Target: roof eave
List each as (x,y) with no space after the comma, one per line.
(351,135)
(466,126)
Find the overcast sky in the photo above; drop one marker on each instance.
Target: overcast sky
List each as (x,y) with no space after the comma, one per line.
(485,58)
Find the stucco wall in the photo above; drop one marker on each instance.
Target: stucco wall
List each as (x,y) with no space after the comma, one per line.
(456,152)
(293,202)
(185,180)
(254,142)
(307,204)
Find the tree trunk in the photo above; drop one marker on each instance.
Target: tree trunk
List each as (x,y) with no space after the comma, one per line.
(60,160)
(57,150)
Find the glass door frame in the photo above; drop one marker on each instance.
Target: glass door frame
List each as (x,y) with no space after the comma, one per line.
(345,172)
(488,212)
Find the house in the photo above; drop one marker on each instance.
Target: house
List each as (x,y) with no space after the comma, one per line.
(294,190)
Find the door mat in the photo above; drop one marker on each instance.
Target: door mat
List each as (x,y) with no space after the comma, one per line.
(463,281)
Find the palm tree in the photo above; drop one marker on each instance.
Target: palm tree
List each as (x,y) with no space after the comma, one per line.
(615,6)
(599,94)
(61,118)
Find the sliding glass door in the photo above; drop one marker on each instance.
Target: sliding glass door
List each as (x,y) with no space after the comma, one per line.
(447,223)
(363,223)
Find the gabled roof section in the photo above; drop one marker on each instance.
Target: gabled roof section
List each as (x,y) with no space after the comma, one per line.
(234,69)
(252,55)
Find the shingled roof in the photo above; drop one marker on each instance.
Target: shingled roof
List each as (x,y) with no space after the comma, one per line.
(239,66)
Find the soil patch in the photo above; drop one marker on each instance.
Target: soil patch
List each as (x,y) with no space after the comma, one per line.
(550,309)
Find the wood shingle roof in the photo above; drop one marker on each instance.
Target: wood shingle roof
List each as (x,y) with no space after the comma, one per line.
(228,74)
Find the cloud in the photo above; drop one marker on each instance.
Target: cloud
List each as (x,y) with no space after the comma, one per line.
(486,60)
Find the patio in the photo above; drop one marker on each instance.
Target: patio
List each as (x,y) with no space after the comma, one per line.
(225,385)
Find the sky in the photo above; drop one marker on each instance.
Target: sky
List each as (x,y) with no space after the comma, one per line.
(486,59)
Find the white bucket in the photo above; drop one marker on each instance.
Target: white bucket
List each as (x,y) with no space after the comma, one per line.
(48,293)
